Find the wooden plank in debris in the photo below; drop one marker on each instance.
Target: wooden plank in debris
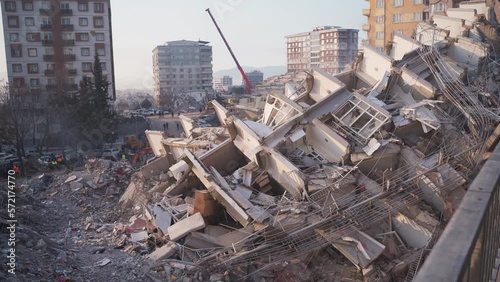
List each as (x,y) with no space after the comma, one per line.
(258,214)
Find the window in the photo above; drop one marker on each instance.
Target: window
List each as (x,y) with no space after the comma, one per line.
(99,37)
(101,51)
(397,3)
(47,36)
(379,19)
(103,66)
(67,36)
(379,35)
(68,51)
(66,21)
(85,51)
(49,51)
(32,52)
(84,7)
(397,18)
(32,68)
(64,6)
(380,3)
(34,82)
(99,7)
(46,5)
(10,6)
(87,67)
(46,20)
(51,67)
(28,6)
(418,16)
(98,22)
(15,50)
(17,68)
(32,37)
(418,2)
(439,7)
(29,21)
(13,21)
(84,21)
(82,36)
(14,37)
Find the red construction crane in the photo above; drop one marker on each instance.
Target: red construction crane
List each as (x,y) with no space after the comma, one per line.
(248,86)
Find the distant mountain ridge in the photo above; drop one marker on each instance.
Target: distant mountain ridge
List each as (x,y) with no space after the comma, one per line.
(235,74)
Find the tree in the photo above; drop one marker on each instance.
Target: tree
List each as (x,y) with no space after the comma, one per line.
(145,104)
(240,90)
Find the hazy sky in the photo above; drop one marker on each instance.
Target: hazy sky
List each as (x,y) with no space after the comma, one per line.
(255,30)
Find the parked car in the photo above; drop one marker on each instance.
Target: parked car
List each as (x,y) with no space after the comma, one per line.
(10,160)
(45,160)
(4,156)
(32,153)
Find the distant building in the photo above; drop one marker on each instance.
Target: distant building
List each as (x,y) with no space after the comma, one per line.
(180,67)
(51,44)
(223,83)
(255,77)
(385,18)
(329,48)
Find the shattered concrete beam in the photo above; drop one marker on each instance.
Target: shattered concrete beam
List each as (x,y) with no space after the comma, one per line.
(187,124)
(154,139)
(217,192)
(221,112)
(156,167)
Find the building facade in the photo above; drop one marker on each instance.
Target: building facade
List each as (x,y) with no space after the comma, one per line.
(51,44)
(255,77)
(329,48)
(223,83)
(181,66)
(387,17)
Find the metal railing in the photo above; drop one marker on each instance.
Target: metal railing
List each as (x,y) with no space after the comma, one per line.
(469,248)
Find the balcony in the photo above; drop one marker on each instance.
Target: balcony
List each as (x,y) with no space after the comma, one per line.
(366,12)
(46,26)
(69,57)
(71,71)
(69,42)
(48,57)
(66,12)
(47,42)
(366,27)
(49,72)
(67,27)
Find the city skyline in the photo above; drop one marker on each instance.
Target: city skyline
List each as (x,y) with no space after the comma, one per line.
(244,23)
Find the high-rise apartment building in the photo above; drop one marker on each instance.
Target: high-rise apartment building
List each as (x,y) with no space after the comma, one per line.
(223,83)
(329,48)
(181,66)
(50,44)
(387,17)
(254,77)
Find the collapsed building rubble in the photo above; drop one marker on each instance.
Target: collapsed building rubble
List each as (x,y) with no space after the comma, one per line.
(365,165)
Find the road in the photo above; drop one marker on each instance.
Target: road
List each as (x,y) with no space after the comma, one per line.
(157,123)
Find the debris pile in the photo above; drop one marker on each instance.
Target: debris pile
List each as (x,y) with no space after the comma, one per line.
(362,168)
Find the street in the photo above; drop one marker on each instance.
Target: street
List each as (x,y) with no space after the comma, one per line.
(157,123)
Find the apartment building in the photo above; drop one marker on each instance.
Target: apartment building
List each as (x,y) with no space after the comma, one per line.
(181,66)
(329,48)
(51,44)
(387,17)
(254,77)
(223,83)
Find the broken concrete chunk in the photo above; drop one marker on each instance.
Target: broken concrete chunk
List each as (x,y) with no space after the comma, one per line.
(139,236)
(162,218)
(164,252)
(183,227)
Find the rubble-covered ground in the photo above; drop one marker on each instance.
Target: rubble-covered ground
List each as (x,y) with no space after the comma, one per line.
(67,226)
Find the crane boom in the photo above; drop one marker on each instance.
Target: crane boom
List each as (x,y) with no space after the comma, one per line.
(248,86)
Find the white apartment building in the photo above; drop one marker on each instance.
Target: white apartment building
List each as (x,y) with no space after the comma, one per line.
(51,43)
(223,83)
(181,66)
(329,48)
